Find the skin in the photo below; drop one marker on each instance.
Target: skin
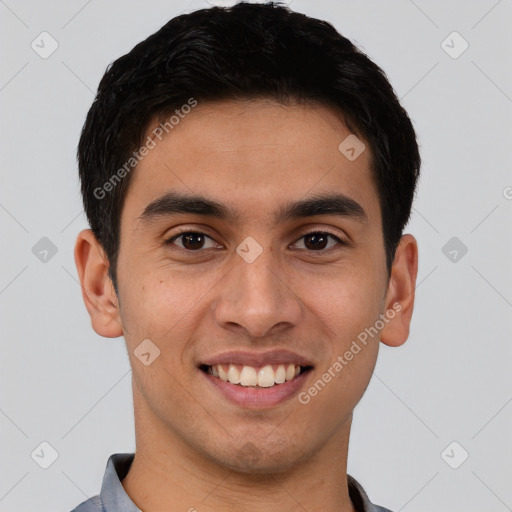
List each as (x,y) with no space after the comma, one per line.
(191,443)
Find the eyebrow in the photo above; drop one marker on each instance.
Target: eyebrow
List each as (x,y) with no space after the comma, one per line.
(173,203)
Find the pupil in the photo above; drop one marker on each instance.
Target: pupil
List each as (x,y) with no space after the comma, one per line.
(188,240)
(196,240)
(316,236)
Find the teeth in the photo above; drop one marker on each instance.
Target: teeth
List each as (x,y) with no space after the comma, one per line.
(280,376)
(265,377)
(248,376)
(233,374)
(222,373)
(290,372)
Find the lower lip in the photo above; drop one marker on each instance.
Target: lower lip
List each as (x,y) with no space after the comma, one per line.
(258,398)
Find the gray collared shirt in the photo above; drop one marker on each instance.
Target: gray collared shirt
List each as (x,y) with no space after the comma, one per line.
(113,497)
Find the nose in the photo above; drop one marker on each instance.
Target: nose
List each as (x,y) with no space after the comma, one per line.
(257,298)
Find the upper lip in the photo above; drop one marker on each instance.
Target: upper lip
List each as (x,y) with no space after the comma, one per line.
(257,359)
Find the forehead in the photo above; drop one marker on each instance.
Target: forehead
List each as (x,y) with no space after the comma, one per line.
(250,154)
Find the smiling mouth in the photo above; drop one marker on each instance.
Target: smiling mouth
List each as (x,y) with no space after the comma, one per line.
(258,377)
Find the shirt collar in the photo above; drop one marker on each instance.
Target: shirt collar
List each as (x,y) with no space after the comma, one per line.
(113,496)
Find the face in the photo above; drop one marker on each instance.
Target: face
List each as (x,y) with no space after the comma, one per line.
(262,278)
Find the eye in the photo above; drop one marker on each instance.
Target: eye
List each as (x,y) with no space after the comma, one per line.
(191,240)
(317,240)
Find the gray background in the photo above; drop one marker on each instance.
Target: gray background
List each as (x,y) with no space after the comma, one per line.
(63,384)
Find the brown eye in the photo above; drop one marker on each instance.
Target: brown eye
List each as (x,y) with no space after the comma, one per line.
(190,240)
(317,240)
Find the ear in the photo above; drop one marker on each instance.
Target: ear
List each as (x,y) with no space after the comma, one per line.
(97,288)
(400,292)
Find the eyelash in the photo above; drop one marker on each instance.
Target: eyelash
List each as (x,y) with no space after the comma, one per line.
(302,235)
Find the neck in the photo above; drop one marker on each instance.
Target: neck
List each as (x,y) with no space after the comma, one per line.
(169,474)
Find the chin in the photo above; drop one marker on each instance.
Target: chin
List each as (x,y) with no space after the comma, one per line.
(259,457)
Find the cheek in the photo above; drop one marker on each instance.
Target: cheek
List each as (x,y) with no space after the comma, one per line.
(165,306)
(157,309)
(345,310)
(149,305)
(346,301)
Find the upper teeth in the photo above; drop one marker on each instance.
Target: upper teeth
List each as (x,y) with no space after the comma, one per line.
(250,376)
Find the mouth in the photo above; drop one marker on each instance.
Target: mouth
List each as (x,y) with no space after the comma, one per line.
(267,376)
(255,380)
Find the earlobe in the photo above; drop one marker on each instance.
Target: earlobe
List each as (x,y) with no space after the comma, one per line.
(97,288)
(399,301)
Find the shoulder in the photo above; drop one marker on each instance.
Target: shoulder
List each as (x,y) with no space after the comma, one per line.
(93,504)
(360,499)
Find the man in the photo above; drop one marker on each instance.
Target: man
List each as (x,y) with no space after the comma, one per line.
(281,150)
